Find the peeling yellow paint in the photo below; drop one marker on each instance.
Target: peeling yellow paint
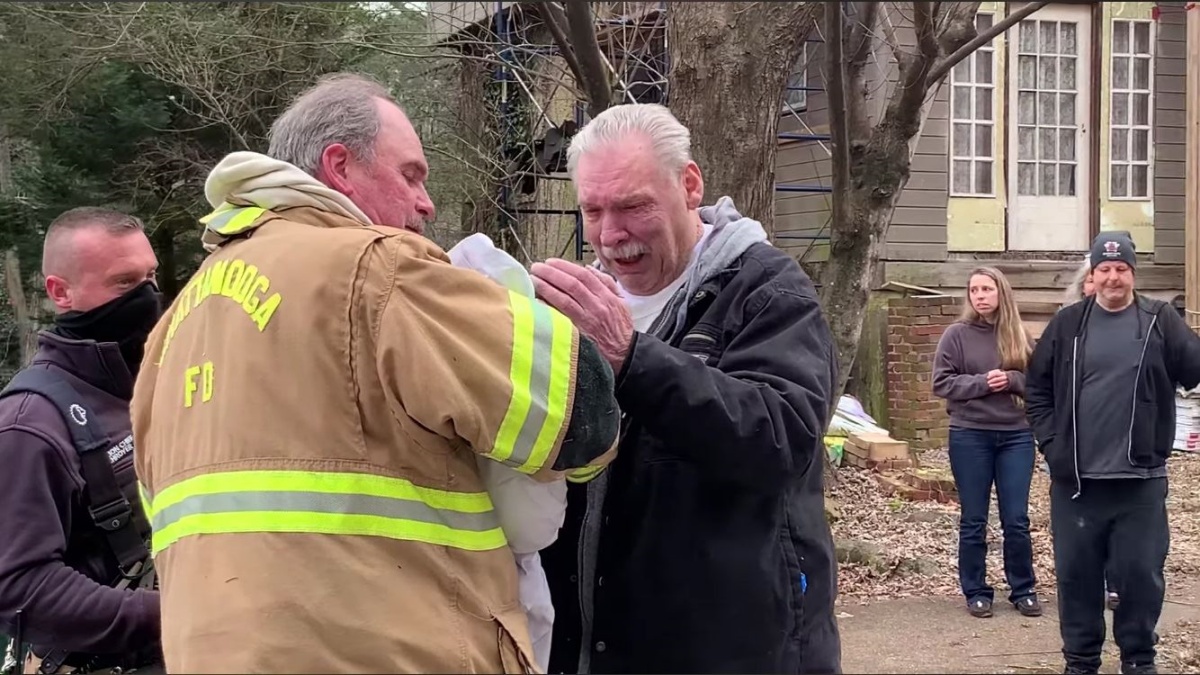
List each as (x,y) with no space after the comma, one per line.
(977,223)
(1135,216)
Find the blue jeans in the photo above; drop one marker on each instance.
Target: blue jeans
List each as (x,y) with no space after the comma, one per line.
(978,459)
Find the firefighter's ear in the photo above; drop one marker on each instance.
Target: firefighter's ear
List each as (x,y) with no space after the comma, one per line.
(336,168)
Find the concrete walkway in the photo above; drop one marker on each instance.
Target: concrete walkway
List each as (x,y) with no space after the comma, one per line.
(936,635)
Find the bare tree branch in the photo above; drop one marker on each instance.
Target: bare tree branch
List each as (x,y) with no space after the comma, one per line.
(835,86)
(582,30)
(555,21)
(943,66)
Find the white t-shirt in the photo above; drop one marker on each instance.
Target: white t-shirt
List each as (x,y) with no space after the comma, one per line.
(646,308)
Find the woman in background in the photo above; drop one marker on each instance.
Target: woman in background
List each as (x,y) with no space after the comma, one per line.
(979,369)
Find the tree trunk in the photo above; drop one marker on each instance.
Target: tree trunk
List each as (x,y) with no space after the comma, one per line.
(24,315)
(879,170)
(480,136)
(168,281)
(730,62)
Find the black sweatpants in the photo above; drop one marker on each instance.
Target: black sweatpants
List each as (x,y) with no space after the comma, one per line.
(1121,524)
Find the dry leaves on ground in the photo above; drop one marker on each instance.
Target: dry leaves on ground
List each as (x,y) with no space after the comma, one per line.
(890,547)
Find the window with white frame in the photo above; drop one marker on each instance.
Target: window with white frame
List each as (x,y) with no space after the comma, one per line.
(1132,77)
(973,120)
(795,97)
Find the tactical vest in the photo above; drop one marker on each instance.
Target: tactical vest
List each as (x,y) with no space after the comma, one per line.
(115,507)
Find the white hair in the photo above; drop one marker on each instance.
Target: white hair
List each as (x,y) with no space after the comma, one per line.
(672,142)
(1074,292)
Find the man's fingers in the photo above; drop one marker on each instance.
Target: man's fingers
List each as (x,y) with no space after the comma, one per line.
(586,276)
(558,277)
(609,282)
(557,299)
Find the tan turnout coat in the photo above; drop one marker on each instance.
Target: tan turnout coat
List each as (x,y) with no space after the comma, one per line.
(306,421)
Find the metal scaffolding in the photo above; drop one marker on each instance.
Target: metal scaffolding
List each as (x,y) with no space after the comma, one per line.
(636,53)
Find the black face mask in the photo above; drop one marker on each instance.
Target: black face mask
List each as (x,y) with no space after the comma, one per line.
(126,320)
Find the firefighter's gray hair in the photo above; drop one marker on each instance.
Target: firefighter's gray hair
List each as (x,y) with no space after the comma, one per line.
(671,140)
(340,108)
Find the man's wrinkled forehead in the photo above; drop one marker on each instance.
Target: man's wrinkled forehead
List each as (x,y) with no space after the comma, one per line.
(618,173)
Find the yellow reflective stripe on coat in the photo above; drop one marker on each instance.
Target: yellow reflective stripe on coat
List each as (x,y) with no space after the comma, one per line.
(232,220)
(144,496)
(586,473)
(541,378)
(317,502)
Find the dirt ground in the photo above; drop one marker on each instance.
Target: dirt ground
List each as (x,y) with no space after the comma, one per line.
(936,635)
(899,607)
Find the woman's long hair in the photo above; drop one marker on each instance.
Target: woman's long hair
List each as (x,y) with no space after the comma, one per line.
(1012,338)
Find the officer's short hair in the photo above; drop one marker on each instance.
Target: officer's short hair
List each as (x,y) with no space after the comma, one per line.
(83,217)
(340,108)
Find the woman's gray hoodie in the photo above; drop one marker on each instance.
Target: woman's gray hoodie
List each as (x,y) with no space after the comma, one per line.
(965,354)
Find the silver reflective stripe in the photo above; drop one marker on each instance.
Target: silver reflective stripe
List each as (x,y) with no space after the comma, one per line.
(222,219)
(323,502)
(539,385)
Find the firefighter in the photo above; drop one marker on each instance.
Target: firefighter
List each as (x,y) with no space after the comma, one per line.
(312,405)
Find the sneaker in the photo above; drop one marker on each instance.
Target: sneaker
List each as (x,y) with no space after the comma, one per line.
(1112,600)
(980,608)
(1138,669)
(1029,606)
(1076,670)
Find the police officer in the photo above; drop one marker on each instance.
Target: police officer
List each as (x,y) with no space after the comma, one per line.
(74,572)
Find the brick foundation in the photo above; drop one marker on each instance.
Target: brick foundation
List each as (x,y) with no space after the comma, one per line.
(914,326)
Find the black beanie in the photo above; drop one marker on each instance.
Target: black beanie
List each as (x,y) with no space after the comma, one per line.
(1113,246)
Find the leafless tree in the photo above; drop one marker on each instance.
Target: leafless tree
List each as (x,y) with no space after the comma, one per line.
(872,151)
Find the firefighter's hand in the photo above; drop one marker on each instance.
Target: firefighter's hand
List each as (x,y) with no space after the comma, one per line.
(589,299)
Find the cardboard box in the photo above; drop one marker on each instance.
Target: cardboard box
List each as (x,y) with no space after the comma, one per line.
(876,446)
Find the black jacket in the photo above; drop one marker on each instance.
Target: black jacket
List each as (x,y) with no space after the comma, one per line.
(1171,357)
(713,522)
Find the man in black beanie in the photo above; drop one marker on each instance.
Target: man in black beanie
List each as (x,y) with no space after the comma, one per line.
(1100,396)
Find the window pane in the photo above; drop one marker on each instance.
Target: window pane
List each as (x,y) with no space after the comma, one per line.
(983,104)
(1026,179)
(1139,181)
(1120,72)
(1120,180)
(962,72)
(1047,73)
(1141,73)
(1047,171)
(1027,72)
(1067,74)
(1120,145)
(983,21)
(962,103)
(1120,109)
(983,67)
(1047,143)
(1026,107)
(1029,41)
(1140,145)
(1046,109)
(1048,37)
(1066,145)
(983,140)
(1141,108)
(1066,180)
(983,177)
(1026,143)
(1066,109)
(1067,42)
(1120,37)
(962,140)
(962,176)
(1141,38)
